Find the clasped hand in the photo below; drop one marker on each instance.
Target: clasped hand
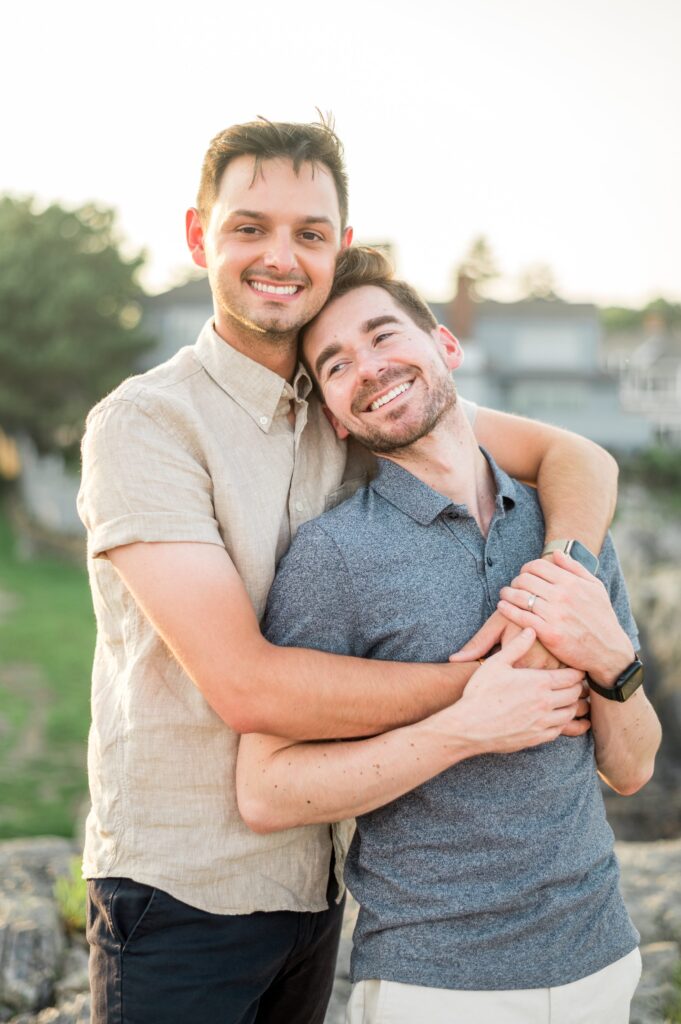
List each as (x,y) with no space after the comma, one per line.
(571,614)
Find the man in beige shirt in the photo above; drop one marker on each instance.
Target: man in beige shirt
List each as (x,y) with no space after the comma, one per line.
(195,477)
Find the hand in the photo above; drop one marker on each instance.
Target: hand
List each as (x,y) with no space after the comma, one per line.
(500,630)
(572,616)
(506,708)
(481,643)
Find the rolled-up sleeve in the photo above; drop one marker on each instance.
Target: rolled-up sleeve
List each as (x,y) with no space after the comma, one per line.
(140,482)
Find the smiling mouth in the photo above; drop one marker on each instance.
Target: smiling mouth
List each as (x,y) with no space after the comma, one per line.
(390,396)
(280,291)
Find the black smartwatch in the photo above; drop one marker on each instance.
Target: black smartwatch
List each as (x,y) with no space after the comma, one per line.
(625,684)
(575,549)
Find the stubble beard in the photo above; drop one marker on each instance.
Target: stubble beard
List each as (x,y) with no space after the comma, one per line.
(273,329)
(441,400)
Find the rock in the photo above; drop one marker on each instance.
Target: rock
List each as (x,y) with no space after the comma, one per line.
(651,886)
(32,938)
(74,975)
(73,1011)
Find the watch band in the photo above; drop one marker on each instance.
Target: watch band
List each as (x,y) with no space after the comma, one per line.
(575,549)
(625,684)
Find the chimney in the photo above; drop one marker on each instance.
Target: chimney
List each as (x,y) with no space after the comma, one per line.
(461,309)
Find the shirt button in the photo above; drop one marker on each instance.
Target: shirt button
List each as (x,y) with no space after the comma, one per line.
(264,420)
(489,561)
(299,506)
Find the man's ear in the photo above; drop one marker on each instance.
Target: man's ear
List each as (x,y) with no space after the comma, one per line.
(195,239)
(341,432)
(450,347)
(346,238)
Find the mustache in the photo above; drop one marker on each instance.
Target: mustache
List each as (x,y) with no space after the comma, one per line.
(274,278)
(366,394)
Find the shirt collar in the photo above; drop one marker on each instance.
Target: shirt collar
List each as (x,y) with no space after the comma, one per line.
(419,501)
(254,387)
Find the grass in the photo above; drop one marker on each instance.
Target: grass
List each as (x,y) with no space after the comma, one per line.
(673,1015)
(46,645)
(71,896)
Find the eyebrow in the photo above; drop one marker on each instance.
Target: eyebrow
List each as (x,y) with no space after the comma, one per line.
(378,321)
(335,347)
(251,214)
(326,353)
(257,215)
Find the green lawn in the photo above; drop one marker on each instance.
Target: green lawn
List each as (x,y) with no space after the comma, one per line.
(46,645)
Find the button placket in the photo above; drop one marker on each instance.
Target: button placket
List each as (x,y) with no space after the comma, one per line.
(496,575)
(464,529)
(298,504)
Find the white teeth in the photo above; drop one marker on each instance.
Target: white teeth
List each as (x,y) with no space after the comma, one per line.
(274,289)
(399,390)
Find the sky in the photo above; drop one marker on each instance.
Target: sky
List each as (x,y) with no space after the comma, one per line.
(552,128)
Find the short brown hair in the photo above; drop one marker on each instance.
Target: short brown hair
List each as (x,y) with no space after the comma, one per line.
(360,265)
(315,143)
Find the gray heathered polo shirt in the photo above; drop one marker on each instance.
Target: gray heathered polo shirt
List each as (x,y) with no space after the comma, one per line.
(499,873)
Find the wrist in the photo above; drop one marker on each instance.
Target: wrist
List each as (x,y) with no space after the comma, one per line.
(607,673)
(457,675)
(576,550)
(446,735)
(625,685)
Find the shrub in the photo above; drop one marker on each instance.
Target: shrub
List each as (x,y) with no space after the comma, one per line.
(71,895)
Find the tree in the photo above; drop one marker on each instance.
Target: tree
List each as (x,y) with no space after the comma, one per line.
(478,265)
(538,282)
(621,318)
(69,318)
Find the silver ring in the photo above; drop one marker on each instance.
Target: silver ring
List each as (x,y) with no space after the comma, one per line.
(531,602)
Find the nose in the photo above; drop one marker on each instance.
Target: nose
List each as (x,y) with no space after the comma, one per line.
(280,254)
(371,364)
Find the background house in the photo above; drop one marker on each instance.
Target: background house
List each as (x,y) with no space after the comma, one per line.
(648,362)
(175,317)
(543,357)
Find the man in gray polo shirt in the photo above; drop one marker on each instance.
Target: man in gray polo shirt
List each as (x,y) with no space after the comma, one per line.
(487,880)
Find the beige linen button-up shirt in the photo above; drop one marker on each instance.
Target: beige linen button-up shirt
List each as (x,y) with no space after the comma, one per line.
(198,449)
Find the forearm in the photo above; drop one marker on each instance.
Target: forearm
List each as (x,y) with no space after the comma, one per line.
(305,694)
(577,485)
(626,739)
(196,601)
(281,785)
(626,735)
(576,479)
(312,783)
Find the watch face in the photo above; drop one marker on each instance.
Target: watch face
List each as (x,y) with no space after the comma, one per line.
(625,685)
(631,684)
(583,556)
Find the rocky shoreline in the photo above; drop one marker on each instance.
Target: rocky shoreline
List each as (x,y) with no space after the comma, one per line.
(43,969)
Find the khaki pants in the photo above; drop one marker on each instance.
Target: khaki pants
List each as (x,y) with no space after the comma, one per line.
(600,998)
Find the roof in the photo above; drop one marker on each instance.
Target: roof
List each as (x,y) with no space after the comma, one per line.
(554,308)
(194,293)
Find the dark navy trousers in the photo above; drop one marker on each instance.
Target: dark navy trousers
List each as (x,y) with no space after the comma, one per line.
(155,960)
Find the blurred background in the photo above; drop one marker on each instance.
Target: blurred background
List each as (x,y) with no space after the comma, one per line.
(521,161)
